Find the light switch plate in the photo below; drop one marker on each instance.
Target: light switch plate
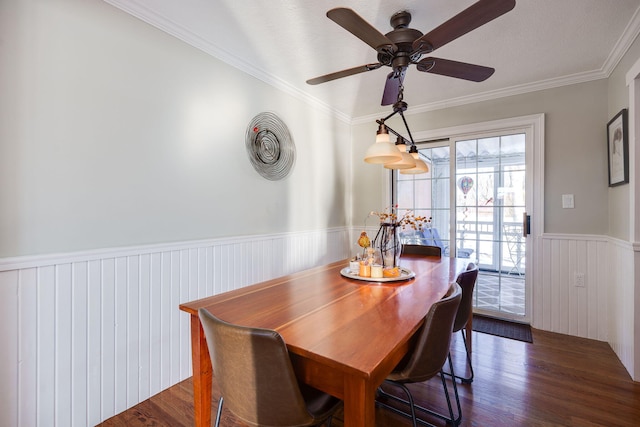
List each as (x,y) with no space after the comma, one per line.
(567,201)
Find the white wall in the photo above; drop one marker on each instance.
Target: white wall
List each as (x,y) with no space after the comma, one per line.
(115,134)
(559,305)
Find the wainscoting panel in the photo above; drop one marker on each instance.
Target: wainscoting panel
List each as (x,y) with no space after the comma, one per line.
(622,295)
(88,335)
(561,306)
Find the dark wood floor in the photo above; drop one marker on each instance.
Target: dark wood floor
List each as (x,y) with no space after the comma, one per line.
(556,381)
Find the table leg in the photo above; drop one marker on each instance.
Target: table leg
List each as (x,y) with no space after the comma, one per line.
(359,403)
(202,374)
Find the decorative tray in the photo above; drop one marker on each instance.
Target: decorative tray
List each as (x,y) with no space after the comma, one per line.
(405,274)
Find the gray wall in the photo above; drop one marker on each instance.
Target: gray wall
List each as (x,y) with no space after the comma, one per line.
(114,133)
(618,98)
(575,150)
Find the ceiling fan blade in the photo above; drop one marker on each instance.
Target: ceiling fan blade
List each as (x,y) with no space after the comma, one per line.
(392,86)
(356,25)
(469,19)
(460,70)
(343,73)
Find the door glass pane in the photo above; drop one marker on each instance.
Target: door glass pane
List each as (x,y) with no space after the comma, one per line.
(428,195)
(490,202)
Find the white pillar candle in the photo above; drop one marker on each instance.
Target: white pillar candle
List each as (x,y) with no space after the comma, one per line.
(376,271)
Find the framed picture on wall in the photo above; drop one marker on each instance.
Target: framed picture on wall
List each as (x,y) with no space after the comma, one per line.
(618,149)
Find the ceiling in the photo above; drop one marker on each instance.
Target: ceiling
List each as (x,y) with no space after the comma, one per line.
(539,44)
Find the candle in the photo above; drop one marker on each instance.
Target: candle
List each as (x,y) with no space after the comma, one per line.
(376,271)
(354,267)
(365,269)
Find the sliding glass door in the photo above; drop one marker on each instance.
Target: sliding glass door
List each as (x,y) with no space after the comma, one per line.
(475,195)
(490,209)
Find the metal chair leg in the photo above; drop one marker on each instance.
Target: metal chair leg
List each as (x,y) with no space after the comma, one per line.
(220,402)
(456,421)
(409,402)
(469,379)
(413,406)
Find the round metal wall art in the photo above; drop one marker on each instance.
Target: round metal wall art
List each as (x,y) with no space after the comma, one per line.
(270,147)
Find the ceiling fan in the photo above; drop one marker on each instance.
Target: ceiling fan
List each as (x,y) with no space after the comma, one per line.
(404,46)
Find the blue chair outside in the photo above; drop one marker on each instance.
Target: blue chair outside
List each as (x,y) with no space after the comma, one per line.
(431,237)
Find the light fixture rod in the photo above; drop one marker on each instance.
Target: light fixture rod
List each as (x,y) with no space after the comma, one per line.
(381,122)
(391,130)
(389,116)
(407,126)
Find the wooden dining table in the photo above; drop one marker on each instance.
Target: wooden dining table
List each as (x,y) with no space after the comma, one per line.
(344,335)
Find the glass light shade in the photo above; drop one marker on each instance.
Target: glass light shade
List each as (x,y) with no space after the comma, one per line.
(382,134)
(421,167)
(400,145)
(382,152)
(383,137)
(406,162)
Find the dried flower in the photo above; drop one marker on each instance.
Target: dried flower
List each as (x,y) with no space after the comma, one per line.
(407,220)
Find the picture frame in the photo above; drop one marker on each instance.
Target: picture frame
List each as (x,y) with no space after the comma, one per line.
(618,149)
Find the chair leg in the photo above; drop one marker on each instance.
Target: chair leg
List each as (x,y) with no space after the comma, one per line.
(456,421)
(449,419)
(409,402)
(469,379)
(220,402)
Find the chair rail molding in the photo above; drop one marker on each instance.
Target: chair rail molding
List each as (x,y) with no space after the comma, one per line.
(88,335)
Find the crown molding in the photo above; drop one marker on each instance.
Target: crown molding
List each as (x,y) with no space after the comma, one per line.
(623,44)
(135,8)
(496,94)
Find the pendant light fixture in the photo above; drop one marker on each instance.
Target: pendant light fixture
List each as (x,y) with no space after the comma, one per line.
(396,156)
(383,151)
(400,145)
(406,162)
(420,165)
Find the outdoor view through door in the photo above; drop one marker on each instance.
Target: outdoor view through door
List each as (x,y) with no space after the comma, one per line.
(487,193)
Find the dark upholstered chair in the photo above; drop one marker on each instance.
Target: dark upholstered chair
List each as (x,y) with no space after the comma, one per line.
(256,377)
(421,250)
(467,281)
(427,356)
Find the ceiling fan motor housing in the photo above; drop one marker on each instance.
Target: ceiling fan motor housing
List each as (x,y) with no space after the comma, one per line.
(403,37)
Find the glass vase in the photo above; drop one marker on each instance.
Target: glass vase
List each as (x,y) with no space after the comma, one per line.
(387,241)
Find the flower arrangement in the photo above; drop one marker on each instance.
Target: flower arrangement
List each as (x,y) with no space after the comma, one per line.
(407,220)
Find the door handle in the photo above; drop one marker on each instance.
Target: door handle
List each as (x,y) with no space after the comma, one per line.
(526,224)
